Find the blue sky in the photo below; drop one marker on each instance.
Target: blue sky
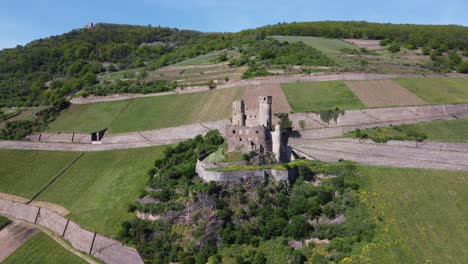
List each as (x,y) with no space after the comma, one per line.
(26,20)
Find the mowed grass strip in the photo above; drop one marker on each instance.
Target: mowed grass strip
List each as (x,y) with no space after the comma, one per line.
(438,90)
(383,93)
(26,172)
(176,110)
(88,117)
(41,249)
(316,96)
(98,189)
(422,215)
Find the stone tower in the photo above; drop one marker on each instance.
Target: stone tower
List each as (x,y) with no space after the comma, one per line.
(238,113)
(276,143)
(264,111)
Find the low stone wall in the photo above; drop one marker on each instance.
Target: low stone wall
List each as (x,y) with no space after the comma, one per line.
(202,169)
(60,137)
(103,248)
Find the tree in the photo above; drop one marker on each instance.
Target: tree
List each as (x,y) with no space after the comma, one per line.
(426,50)
(297,228)
(89,78)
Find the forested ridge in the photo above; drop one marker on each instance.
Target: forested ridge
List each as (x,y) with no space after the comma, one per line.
(72,60)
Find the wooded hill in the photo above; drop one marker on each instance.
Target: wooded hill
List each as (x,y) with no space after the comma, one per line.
(71,60)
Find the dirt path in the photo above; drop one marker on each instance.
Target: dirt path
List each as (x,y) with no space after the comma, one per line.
(12,237)
(271,80)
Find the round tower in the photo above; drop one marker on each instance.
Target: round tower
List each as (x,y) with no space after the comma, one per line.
(238,113)
(264,111)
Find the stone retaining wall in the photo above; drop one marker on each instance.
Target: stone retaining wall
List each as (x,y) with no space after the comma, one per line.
(202,169)
(315,128)
(60,137)
(103,248)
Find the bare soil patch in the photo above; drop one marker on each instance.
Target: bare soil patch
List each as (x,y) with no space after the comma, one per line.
(369,44)
(12,237)
(280,103)
(383,93)
(13,198)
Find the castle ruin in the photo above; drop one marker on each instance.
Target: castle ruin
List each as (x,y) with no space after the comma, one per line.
(253,130)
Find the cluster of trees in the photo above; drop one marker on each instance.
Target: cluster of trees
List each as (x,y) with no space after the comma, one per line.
(453,36)
(244,213)
(75,57)
(20,128)
(261,54)
(129,86)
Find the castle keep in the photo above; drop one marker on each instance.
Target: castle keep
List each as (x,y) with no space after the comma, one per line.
(252,130)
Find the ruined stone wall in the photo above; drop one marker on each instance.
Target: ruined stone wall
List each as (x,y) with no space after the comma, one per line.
(227,176)
(245,139)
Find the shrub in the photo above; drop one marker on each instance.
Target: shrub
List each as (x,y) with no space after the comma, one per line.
(463,67)
(394,48)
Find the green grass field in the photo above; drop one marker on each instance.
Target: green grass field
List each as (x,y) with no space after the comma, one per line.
(97,189)
(88,117)
(41,249)
(330,47)
(148,113)
(26,172)
(438,90)
(422,215)
(316,96)
(440,130)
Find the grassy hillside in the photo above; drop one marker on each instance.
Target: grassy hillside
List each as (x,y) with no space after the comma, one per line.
(438,90)
(41,249)
(316,96)
(422,215)
(149,113)
(26,172)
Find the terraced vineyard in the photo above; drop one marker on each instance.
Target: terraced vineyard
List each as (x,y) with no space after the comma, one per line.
(89,117)
(96,190)
(26,172)
(149,113)
(41,249)
(316,96)
(438,90)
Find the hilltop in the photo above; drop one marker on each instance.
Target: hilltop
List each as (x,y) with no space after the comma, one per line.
(45,70)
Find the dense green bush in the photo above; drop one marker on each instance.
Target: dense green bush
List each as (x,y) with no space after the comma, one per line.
(384,134)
